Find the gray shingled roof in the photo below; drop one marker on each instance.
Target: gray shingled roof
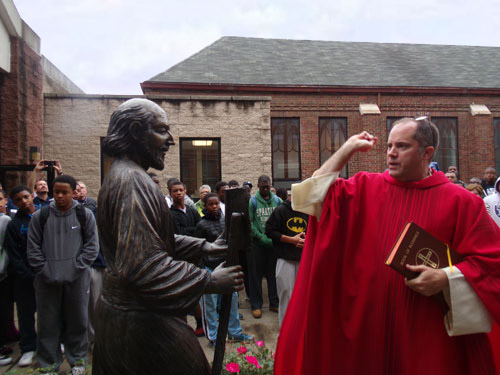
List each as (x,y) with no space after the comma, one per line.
(254,61)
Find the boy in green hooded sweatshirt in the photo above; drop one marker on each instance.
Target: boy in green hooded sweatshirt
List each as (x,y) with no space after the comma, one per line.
(261,258)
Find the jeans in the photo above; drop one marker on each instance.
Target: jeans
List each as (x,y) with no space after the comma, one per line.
(211,316)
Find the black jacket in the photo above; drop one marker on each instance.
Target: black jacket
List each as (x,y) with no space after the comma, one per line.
(285,221)
(184,223)
(210,227)
(16,243)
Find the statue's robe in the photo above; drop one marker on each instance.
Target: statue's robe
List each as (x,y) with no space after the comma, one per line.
(352,314)
(150,284)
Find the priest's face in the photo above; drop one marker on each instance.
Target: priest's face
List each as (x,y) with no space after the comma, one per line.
(405,159)
(156,141)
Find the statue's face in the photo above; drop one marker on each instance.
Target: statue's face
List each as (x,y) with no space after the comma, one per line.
(156,142)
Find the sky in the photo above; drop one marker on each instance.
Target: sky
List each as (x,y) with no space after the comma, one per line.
(111,46)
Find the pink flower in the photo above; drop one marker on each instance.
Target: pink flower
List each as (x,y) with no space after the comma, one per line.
(253,361)
(232,367)
(260,343)
(242,350)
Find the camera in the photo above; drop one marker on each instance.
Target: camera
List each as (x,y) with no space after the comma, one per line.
(49,164)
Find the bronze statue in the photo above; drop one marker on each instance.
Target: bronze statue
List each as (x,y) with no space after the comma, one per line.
(152,281)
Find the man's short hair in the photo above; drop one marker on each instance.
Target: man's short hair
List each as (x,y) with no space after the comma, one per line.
(282,193)
(233,183)
(66,179)
(16,190)
(171,181)
(203,187)
(119,140)
(219,185)
(264,178)
(426,134)
(208,196)
(175,183)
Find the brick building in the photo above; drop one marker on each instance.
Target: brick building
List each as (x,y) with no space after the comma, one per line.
(25,75)
(21,106)
(323,92)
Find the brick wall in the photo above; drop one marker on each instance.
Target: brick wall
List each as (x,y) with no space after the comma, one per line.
(475,133)
(21,108)
(74,124)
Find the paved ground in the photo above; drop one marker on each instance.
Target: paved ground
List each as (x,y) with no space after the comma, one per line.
(265,329)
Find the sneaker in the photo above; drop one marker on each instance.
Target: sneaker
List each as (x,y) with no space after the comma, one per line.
(26,359)
(5,350)
(78,370)
(199,332)
(241,337)
(5,360)
(257,313)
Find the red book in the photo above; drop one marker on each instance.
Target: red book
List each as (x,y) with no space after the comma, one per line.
(416,246)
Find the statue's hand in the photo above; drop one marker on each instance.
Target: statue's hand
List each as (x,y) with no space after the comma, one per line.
(225,280)
(216,248)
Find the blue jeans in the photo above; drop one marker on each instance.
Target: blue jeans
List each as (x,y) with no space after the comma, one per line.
(210,316)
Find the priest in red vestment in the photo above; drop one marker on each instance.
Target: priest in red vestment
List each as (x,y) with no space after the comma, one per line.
(352,314)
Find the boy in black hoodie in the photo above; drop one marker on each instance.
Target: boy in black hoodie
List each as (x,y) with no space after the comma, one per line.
(210,227)
(16,238)
(287,229)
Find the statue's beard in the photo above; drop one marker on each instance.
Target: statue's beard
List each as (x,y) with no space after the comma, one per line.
(153,158)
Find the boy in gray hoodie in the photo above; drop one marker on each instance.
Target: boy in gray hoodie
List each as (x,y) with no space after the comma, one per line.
(62,245)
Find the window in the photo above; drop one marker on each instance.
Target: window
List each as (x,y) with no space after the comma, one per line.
(496,131)
(285,139)
(447,153)
(390,121)
(200,163)
(332,135)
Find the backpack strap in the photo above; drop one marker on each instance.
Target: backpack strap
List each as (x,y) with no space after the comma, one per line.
(254,204)
(80,215)
(44,215)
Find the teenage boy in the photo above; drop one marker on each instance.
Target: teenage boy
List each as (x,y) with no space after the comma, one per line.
(210,227)
(185,217)
(261,257)
(286,228)
(16,239)
(62,245)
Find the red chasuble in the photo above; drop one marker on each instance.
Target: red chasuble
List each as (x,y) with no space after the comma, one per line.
(352,314)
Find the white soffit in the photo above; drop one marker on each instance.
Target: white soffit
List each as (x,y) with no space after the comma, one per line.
(369,109)
(479,109)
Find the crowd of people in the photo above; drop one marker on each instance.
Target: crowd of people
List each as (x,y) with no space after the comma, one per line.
(56,269)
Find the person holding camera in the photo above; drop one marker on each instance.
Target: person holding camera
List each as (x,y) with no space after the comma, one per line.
(39,185)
